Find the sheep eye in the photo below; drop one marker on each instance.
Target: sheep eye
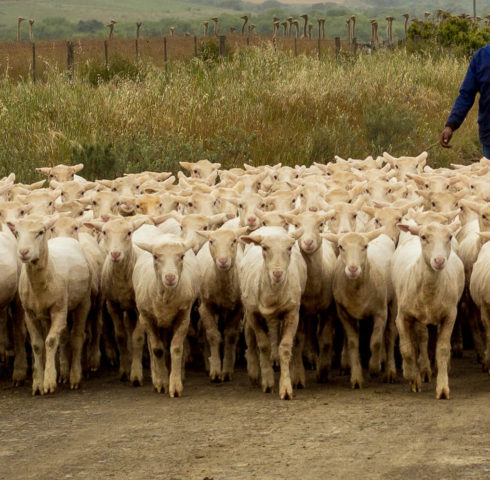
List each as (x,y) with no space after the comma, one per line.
(262,206)
(137,206)
(160,205)
(301,195)
(76,228)
(350,201)
(80,214)
(51,176)
(368,192)
(423,237)
(447,187)
(41,232)
(341,248)
(155,257)
(22,213)
(50,203)
(264,223)
(290,249)
(190,204)
(117,204)
(426,185)
(182,257)
(472,187)
(129,234)
(389,190)
(265,249)
(275,177)
(321,225)
(94,203)
(354,216)
(433,204)
(365,247)
(205,227)
(211,242)
(240,205)
(377,222)
(104,233)
(234,241)
(484,217)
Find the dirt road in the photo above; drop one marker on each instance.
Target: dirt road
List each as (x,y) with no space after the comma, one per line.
(233,431)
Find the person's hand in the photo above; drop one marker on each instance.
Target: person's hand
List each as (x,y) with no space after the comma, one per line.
(446,136)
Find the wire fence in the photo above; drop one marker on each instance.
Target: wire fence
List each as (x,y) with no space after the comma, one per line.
(25,60)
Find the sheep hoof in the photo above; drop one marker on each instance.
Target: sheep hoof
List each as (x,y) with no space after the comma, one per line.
(253,379)
(344,371)
(225,377)
(267,389)
(137,382)
(390,377)
(442,393)
(215,378)
(322,376)
(286,393)
(416,385)
(356,385)
(123,376)
(426,376)
(75,386)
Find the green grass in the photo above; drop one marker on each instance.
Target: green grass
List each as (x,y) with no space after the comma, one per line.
(258,106)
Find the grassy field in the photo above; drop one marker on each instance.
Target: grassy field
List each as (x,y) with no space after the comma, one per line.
(256,106)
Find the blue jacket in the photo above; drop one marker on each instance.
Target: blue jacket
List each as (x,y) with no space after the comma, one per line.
(477,80)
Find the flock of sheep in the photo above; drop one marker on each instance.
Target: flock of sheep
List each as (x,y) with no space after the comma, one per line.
(291,257)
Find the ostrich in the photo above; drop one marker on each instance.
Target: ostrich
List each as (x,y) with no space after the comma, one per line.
(374,32)
(296,26)
(31,33)
(138,26)
(206,27)
(353,20)
(390,29)
(406,15)
(19,21)
(111,28)
(215,20)
(290,20)
(439,13)
(172,31)
(245,20)
(276,25)
(285,28)
(426,16)
(347,29)
(321,28)
(305,18)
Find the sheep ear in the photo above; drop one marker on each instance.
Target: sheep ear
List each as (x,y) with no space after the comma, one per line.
(389,158)
(218,219)
(485,236)
(12,227)
(241,231)
(43,170)
(5,188)
(413,229)
(50,221)
(89,186)
(94,224)
(252,240)
(148,247)
(163,218)
(53,184)
(186,165)
(422,159)
(76,168)
(424,193)
(297,233)
(288,217)
(416,178)
(36,185)
(204,234)
(456,225)
(451,215)
(137,223)
(373,234)
(471,205)
(233,201)
(369,210)
(331,237)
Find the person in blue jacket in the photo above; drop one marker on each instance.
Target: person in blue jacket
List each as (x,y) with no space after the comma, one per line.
(477,80)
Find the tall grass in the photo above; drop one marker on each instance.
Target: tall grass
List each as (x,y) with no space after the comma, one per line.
(258,106)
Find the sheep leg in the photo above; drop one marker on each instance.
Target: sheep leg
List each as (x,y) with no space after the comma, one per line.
(117,316)
(4,335)
(325,348)
(159,372)
(264,345)
(474,322)
(297,368)
(58,324)
(344,357)
(423,360)
(253,368)
(350,329)
(213,337)
(37,344)
(231,334)
(407,343)
(177,352)
(310,349)
(138,342)
(377,336)
(390,339)
(77,340)
(274,341)
(290,327)
(443,353)
(65,353)
(19,333)
(96,332)
(457,340)
(485,318)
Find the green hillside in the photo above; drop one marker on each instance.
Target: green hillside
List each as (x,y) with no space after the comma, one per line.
(61,19)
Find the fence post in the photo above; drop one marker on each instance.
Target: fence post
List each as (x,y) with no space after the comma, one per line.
(70,60)
(165,52)
(295,47)
(354,44)
(33,62)
(337,46)
(195,46)
(222,45)
(319,47)
(138,26)
(106,54)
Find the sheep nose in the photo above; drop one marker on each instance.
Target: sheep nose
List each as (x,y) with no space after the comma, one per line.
(313,209)
(251,220)
(308,243)
(439,262)
(105,218)
(170,278)
(24,252)
(116,255)
(353,269)
(223,261)
(277,274)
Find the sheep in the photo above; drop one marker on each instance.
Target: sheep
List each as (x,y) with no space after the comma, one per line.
(219,298)
(165,279)
(320,258)
(272,277)
(200,169)
(480,292)
(118,293)
(62,173)
(428,278)
(54,281)
(361,290)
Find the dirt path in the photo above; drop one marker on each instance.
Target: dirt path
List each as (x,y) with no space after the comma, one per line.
(233,431)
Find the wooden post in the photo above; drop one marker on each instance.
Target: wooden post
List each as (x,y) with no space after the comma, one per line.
(33,62)
(337,46)
(222,45)
(106,54)
(319,46)
(195,46)
(354,44)
(70,60)
(165,52)
(295,47)
(137,44)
